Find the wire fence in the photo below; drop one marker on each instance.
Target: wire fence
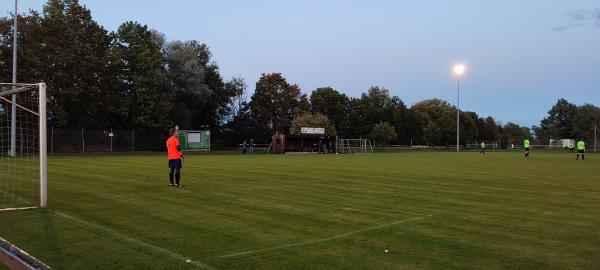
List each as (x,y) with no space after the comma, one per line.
(104,141)
(128,140)
(477,147)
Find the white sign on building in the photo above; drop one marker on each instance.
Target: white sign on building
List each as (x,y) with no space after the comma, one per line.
(311,130)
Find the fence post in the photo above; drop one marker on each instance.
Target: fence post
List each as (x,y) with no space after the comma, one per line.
(52,140)
(111,134)
(133,140)
(595,142)
(82,141)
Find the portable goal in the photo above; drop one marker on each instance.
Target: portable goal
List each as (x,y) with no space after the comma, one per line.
(23,147)
(351,146)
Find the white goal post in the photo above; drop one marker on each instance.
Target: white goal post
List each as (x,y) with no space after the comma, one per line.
(23,146)
(352,146)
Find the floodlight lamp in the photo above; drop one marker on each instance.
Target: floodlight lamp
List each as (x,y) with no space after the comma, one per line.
(459,69)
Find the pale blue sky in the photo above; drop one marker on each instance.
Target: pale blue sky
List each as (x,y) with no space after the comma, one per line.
(521,55)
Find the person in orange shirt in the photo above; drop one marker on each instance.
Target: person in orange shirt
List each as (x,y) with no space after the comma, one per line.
(175,157)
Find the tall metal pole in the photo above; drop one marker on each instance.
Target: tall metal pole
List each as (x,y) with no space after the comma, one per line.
(43,146)
(458,115)
(82,141)
(111,134)
(13,120)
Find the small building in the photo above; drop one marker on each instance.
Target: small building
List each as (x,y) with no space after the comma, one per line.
(311,140)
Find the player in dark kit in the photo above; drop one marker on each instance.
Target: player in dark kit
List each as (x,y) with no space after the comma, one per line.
(175,157)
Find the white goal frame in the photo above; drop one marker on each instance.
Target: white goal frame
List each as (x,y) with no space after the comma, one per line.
(363,146)
(42,125)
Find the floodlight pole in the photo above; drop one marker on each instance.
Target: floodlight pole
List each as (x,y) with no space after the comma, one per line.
(13,115)
(458,113)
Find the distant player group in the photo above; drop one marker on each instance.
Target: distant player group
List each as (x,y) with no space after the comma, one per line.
(175,155)
(527,147)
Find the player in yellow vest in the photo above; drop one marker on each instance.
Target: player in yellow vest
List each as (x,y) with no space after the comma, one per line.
(527,145)
(581,149)
(482,151)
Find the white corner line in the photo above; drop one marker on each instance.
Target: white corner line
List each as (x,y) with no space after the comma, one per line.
(310,242)
(138,242)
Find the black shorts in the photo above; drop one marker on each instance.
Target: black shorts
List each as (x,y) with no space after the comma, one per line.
(175,163)
(581,151)
(526,148)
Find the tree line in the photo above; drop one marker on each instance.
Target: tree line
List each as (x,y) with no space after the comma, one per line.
(134,78)
(566,120)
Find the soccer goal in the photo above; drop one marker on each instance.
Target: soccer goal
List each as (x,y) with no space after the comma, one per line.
(23,146)
(351,146)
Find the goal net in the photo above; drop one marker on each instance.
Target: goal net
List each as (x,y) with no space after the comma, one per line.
(23,150)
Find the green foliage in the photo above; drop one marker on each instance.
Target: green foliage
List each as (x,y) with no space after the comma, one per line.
(334,105)
(489,130)
(374,106)
(569,121)
(514,134)
(316,120)
(275,103)
(443,117)
(236,87)
(431,133)
(383,133)
(29,53)
(76,50)
(132,78)
(138,60)
(559,123)
(586,117)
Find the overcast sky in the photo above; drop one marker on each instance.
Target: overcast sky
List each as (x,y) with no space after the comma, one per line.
(521,56)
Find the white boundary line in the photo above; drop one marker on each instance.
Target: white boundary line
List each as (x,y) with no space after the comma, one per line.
(310,242)
(17,209)
(130,239)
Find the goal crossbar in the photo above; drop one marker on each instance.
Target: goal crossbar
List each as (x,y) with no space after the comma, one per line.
(22,87)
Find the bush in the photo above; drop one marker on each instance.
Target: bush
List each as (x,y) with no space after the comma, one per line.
(383,133)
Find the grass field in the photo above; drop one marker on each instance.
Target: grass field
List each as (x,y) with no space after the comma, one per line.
(430,210)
